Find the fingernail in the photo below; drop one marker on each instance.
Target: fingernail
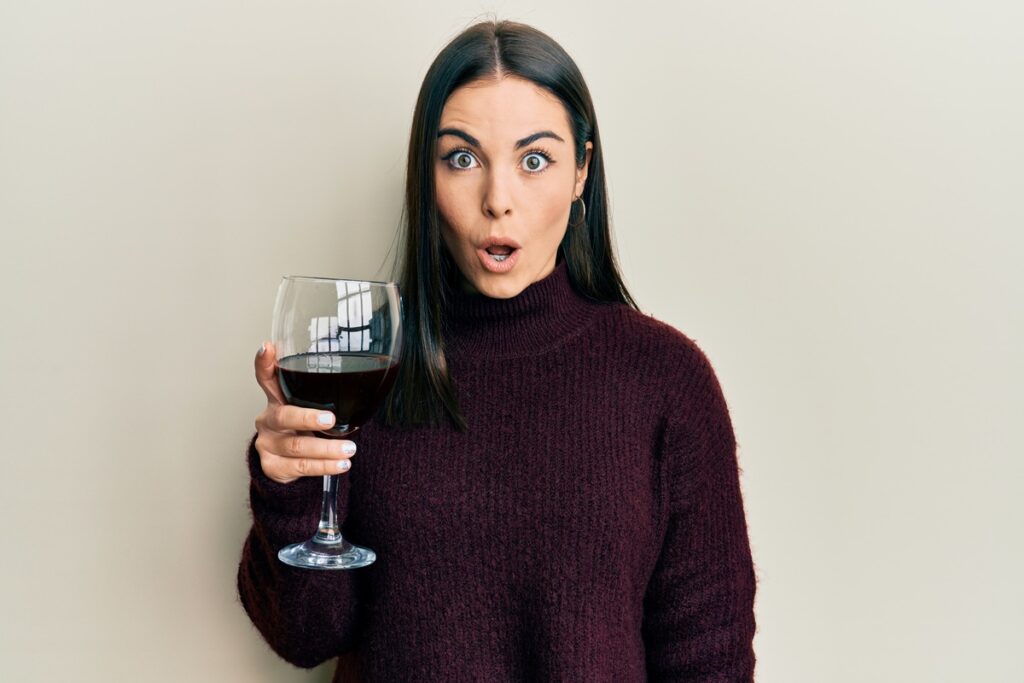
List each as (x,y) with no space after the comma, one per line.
(325,418)
(344,464)
(263,347)
(348,448)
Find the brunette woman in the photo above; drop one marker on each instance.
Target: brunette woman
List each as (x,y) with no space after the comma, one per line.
(552,490)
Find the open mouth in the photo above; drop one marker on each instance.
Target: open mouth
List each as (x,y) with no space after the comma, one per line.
(499,252)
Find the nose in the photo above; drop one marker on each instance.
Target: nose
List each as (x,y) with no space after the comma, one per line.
(497,201)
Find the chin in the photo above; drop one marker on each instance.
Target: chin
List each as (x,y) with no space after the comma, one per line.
(500,287)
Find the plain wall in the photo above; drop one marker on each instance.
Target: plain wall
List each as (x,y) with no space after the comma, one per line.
(826,196)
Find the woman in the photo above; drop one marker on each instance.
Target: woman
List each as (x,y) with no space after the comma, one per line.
(552,491)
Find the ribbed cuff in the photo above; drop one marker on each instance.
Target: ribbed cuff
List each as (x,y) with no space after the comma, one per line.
(297,498)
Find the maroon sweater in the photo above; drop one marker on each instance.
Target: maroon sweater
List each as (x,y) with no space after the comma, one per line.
(589,526)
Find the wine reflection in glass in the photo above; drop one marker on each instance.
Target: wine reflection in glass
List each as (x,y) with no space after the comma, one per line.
(338,348)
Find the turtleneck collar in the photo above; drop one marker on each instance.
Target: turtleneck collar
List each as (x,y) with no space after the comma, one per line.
(537,319)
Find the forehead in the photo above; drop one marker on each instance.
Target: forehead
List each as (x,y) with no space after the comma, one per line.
(509,107)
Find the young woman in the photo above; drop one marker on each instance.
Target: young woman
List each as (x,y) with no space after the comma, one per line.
(552,491)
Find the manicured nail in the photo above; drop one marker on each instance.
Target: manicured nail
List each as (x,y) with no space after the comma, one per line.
(348,448)
(325,418)
(263,347)
(344,465)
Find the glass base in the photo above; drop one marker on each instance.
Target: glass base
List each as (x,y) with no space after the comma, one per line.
(317,555)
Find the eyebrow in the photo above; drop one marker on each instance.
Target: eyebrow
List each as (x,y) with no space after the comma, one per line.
(476,143)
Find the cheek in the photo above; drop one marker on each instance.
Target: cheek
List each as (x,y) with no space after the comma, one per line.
(550,208)
(454,204)
(452,207)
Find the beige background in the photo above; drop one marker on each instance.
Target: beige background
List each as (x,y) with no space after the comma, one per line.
(825,195)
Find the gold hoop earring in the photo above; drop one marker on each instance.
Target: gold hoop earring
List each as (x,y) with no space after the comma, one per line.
(583,207)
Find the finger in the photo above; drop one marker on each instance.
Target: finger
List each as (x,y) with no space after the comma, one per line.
(287,470)
(266,372)
(299,446)
(281,417)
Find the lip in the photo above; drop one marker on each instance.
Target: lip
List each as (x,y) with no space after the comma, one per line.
(500,241)
(493,266)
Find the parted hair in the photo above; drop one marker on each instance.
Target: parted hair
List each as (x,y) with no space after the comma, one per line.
(423,393)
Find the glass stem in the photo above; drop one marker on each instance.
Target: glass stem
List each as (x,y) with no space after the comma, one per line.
(329,532)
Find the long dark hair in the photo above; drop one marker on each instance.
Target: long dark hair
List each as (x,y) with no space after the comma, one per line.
(423,392)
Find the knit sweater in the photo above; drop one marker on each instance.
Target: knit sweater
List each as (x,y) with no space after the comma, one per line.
(589,525)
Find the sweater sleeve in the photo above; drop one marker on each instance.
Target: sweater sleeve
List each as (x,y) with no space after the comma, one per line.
(307,616)
(698,608)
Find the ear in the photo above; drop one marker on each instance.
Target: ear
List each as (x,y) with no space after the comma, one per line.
(581,173)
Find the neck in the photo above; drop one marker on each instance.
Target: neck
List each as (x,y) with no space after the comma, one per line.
(539,318)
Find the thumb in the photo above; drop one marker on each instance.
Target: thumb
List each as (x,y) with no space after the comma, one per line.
(266,372)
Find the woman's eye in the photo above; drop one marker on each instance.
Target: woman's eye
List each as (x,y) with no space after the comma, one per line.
(461,160)
(535,162)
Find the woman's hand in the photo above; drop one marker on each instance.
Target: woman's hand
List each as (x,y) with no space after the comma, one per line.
(286,447)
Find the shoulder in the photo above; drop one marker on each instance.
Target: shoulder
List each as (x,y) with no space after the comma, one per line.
(650,342)
(681,380)
(643,356)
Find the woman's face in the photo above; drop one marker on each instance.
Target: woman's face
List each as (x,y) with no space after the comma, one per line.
(505,182)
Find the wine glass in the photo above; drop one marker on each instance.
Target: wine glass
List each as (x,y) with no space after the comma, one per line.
(338,344)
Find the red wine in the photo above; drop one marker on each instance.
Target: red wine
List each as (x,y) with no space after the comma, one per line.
(350,385)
